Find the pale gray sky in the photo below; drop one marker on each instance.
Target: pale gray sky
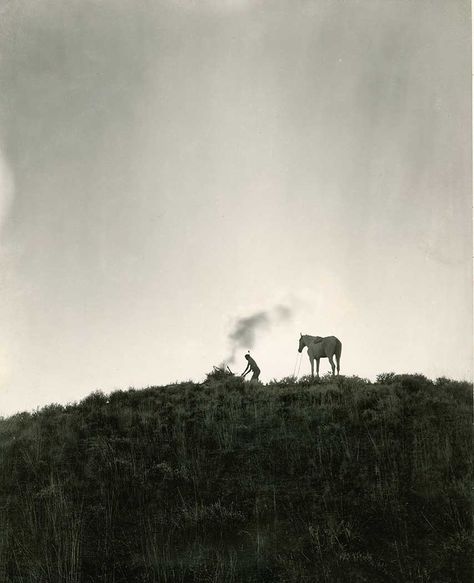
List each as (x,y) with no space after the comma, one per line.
(169,167)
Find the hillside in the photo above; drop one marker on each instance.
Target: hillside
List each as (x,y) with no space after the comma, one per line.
(225,481)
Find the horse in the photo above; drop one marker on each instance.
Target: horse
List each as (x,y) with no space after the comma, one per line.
(319,347)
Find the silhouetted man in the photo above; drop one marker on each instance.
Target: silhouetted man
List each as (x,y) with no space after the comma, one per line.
(251,366)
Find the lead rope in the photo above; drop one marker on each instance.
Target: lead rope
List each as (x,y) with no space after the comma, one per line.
(300,355)
(299,365)
(296,362)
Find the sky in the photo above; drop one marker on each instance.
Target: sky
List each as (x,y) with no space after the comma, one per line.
(171,169)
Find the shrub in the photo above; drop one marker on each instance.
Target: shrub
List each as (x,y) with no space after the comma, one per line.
(385,378)
(219,374)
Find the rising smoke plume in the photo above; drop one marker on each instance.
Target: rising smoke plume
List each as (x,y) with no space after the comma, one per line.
(243,335)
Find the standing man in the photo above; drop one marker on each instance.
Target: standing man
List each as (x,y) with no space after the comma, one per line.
(251,366)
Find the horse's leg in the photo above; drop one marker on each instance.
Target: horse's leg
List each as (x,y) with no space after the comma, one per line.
(311,360)
(337,353)
(317,367)
(331,361)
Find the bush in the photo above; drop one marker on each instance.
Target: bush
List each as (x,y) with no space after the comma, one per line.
(385,378)
(219,374)
(412,382)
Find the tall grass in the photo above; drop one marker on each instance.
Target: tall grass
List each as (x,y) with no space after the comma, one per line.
(226,481)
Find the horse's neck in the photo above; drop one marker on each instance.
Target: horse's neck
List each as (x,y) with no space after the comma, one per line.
(309,339)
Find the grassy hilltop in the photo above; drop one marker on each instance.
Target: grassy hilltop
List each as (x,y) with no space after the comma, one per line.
(226,481)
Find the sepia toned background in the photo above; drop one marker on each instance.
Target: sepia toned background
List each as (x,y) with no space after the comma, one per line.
(170,168)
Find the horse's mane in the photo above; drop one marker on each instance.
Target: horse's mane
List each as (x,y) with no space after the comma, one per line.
(312,337)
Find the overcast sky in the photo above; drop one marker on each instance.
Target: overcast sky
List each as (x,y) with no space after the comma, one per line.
(169,167)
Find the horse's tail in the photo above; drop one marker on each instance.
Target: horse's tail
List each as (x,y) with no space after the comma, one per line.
(338,353)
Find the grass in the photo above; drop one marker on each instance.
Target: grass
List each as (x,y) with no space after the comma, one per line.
(225,481)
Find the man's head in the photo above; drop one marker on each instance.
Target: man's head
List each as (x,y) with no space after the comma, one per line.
(247,356)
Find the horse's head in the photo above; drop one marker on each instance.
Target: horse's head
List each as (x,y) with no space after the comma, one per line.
(301,344)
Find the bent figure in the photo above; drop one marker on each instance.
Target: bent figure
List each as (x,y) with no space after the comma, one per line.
(251,366)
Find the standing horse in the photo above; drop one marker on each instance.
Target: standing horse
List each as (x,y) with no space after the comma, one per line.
(321,348)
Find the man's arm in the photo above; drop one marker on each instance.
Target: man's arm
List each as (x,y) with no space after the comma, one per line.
(246,371)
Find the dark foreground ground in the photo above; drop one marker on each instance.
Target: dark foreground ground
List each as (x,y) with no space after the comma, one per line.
(344,481)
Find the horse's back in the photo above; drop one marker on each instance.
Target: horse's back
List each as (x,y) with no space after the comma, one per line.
(325,347)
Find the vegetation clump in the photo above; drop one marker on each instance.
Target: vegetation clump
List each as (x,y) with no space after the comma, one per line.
(219,373)
(342,480)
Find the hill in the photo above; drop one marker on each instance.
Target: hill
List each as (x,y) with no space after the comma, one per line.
(227,481)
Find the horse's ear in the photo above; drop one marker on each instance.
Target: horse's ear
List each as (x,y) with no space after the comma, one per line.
(301,335)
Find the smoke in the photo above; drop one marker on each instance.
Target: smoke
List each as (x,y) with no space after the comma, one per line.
(245,331)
